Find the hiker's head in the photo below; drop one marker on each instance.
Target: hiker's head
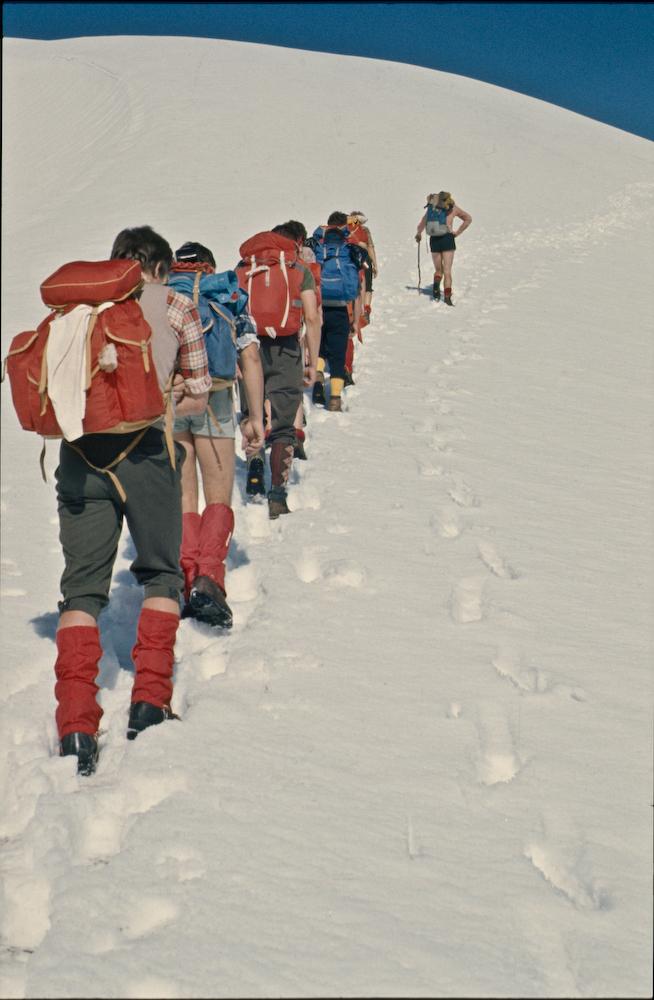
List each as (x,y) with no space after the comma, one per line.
(147,247)
(194,253)
(287,230)
(445,200)
(358,217)
(299,230)
(337,219)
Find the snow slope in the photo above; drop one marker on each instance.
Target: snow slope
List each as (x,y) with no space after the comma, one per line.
(420,763)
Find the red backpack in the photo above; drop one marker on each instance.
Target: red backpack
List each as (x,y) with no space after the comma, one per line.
(121,396)
(271,276)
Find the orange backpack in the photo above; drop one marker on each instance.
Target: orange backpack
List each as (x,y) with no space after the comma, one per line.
(122,388)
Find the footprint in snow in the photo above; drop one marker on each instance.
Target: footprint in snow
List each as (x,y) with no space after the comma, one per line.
(344,573)
(511,665)
(146,915)
(307,566)
(463,496)
(427,469)
(497,762)
(467,600)
(559,855)
(494,562)
(243,583)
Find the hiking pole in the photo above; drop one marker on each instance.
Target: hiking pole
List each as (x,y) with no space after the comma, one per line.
(418,267)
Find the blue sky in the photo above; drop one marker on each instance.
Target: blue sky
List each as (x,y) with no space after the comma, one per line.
(594,58)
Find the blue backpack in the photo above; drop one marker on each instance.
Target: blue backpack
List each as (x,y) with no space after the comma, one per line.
(340,274)
(436,224)
(219,300)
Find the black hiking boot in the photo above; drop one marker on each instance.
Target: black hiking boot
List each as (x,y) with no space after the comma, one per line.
(82,746)
(207,604)
(348,378)
(298,449)
(437,291)
(142,715)
(448,300)
(318,394)
(256,483)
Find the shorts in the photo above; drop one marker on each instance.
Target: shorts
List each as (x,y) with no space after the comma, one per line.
(439,244)
(204,425)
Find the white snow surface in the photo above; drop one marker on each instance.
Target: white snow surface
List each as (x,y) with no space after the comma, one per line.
(420,763)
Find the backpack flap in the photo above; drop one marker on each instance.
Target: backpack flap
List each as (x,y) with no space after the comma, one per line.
(272,278)
(91,283)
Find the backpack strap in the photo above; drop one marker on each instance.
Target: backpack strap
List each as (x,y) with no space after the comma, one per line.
(227,316)
(107,469)
(196,288)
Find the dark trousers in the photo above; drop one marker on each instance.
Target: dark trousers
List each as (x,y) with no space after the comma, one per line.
(283,367)
(91,514)
(335,335)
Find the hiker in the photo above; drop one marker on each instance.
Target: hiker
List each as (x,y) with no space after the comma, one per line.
(360,233)
(340,262)
(208,438)
(281,291)
(308,258)
(91,513)
(438,220)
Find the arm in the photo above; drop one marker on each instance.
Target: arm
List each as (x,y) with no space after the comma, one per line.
(312,321)
(191,403)
(373,255)
(465,218)
(421,227)
(252,425)
(192,357)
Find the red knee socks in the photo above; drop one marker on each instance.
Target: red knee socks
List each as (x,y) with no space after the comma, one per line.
(190,550)
(154,657)
(79,653)
(217,525)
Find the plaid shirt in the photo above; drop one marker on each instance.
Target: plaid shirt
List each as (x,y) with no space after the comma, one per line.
(245,330)
(192,358)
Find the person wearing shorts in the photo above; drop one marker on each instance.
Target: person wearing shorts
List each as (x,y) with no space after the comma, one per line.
(443,247)
(208,439)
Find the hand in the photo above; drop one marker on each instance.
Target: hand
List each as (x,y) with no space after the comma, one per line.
(179,387)
(309,376)
(418,237)
(374,271)
(253,435)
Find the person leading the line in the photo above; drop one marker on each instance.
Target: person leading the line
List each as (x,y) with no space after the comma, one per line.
(438,221)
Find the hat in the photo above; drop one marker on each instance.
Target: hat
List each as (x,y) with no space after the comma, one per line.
(360,216)
(192,253)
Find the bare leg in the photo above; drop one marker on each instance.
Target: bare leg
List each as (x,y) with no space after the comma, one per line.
(190,488)
(438,264)
(448,257)
(217,462)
